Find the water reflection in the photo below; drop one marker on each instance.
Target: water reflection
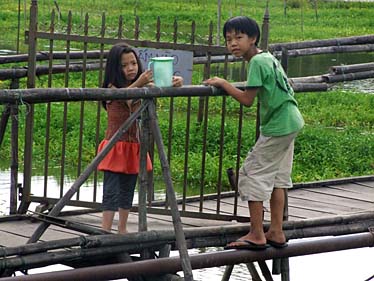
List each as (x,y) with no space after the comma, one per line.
(320,64)
(5,52)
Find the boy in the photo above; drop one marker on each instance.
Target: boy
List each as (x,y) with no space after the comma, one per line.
(266,171)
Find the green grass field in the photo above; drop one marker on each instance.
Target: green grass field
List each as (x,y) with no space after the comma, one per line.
(301,20)
(338,139)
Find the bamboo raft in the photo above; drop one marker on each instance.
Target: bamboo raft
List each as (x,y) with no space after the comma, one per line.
(329,208)
(74,238)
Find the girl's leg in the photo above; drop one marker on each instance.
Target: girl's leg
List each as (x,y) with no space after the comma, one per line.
(107,220)
(110,195)
(122,222)
(125,198)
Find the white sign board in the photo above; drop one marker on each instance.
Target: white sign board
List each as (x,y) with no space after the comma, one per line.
(183,61)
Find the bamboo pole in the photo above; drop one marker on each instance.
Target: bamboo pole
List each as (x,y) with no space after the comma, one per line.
(35,254)
(198,58)
(69,224)
(46,70)
(142,195)
(348,76)
(341,69)
(42,56)
(345,224)
(99,94)
(166,265)
(31,65)
(253,271)
(93,250)
(178,228)
(227,273)
(4,121)
(353,40)
(328,50)
(307,79)
(14,160)
(198,50)
(310,87)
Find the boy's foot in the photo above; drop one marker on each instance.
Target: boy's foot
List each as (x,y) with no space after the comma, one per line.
(245,245)
(276,239)
(275,244)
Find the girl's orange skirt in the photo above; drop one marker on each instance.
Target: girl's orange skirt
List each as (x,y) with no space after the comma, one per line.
(122,158)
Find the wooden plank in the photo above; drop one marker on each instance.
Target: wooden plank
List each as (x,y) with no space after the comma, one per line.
(11,239)
(228,202)
(294,212)
(327,207)
(306,213)
(355,188)
(340,193)
(367,183)
(210,206)
(330,198)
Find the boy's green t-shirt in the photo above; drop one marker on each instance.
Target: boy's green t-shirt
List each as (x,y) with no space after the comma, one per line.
(279,114)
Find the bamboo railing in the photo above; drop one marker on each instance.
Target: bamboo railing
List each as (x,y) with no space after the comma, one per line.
(203,54)
(94,246)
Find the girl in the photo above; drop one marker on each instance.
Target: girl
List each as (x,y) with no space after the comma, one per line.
(121,165)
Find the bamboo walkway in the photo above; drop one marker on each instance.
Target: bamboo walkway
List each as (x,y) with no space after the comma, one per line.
(318,200)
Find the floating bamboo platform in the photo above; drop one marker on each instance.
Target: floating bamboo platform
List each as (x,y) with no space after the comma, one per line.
(309,201)
(328,208)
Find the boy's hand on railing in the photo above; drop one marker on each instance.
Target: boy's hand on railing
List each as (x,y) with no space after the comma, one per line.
(215,81)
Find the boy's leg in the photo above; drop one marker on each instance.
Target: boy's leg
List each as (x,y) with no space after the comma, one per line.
(275,232)
(107,220)
(122,222)
(256,234)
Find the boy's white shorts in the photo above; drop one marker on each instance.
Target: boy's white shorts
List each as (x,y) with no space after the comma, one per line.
(267,165)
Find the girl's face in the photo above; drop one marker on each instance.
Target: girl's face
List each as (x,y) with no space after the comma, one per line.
(240,45)
(130,65)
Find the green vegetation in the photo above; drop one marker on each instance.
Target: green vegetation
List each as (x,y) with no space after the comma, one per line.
(301,21)
(338,140)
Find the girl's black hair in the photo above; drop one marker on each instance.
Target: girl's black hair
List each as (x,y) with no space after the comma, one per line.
(113,74)
(113,70)
(242,24)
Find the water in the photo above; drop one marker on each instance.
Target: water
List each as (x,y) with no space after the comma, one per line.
(348,265)
(320,64)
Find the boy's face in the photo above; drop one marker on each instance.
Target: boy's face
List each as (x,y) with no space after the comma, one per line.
(239,44)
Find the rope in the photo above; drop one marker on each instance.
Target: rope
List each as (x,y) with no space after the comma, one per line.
(21,102)
(83,241)
(2,260)
(68,92)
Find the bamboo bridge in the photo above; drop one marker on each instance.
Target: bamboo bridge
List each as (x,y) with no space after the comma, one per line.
(341,209)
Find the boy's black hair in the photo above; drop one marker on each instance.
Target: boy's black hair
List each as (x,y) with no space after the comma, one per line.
(244,25)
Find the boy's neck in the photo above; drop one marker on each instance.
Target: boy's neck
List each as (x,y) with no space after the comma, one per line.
(252,53)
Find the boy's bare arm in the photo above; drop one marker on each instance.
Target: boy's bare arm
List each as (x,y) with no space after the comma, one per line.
(245,97)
